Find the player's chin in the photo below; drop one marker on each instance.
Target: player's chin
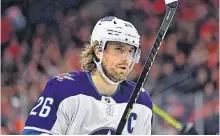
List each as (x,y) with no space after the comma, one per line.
(120,76)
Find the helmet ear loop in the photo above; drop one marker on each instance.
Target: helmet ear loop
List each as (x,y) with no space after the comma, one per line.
(100,52)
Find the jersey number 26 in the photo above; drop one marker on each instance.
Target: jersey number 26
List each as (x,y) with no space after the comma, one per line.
(45,104)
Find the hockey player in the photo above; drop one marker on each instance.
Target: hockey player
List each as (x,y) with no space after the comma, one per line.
(93,101)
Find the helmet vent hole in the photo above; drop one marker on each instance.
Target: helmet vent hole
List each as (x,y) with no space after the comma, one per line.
(99,23)
(126,39)
(110,33)
(133,41)
(115,22)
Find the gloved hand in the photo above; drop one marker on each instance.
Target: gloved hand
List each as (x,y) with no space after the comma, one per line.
(188,129)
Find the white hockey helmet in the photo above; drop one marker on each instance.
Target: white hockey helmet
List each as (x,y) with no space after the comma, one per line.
(111,28)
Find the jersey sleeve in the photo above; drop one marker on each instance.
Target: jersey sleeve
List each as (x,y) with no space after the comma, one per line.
(43,116)
(147,126)
(148,102)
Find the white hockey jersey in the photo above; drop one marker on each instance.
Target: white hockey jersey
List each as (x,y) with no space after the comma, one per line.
(71,105)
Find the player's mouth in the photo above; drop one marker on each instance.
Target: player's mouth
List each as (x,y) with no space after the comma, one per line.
(123,67)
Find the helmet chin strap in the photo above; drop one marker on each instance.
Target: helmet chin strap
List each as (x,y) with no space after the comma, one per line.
(99,68)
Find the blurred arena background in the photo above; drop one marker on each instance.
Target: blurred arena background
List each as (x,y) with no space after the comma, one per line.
(42,38)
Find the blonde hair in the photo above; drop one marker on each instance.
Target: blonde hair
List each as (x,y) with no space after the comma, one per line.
(87,56)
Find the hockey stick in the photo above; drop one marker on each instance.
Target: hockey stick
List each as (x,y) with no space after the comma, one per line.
(171,6)
(187,129)
(173,122)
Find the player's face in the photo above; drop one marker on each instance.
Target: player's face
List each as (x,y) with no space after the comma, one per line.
(118,60)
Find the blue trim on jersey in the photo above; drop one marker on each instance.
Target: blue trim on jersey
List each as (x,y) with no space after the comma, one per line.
(32,132)
(90,80)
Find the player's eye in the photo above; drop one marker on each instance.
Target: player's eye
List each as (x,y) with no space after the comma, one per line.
(131,51)
(119,49)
